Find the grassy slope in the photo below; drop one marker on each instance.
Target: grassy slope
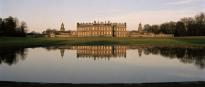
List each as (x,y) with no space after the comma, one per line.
(28,41)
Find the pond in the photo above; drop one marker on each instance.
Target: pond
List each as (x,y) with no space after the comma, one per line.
(102,64)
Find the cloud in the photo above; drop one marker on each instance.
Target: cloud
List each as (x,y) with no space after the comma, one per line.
(182,2)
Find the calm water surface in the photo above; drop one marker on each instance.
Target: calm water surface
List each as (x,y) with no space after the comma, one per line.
(102,64)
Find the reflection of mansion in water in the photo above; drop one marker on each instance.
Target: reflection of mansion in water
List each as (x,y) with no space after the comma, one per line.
(98,51)
(101,51)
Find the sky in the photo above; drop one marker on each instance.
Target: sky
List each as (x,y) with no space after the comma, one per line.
(43,14)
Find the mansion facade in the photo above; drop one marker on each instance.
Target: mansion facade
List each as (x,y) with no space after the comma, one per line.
(95,29)
(103,29)
(106,29)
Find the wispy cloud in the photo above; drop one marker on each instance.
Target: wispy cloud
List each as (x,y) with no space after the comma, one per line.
(182,2)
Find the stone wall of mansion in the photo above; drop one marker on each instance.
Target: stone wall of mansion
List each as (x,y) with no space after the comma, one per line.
(101,29)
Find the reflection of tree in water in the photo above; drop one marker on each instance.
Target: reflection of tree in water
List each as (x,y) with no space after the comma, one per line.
(185,55)
(12,55)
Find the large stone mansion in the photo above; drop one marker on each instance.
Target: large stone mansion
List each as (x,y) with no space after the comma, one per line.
(102,29)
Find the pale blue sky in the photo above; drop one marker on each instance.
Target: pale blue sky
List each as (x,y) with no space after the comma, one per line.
(43,14)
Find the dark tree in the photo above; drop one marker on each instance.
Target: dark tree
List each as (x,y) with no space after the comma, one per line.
(147,28)
(180,29)
(168,28)
(10,24)
(189,25)
(23,27)
(10,27)
(155,29)
(1,25)
(200,24)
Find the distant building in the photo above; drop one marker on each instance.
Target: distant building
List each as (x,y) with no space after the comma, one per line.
(106,29)
(61,33)
(140,29)
(62,27)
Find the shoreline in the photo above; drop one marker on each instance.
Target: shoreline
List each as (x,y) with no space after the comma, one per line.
(160,84)
(88,41)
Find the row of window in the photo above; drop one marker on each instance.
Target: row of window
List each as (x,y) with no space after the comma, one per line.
(100,29)
(94,33)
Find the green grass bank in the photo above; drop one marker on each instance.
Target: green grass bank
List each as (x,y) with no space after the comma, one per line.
(29,41)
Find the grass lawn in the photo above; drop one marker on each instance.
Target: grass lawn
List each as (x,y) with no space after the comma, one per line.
(29,41)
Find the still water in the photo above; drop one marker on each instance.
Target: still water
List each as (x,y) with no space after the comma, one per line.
(102,64)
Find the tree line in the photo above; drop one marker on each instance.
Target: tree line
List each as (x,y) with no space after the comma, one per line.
(187,26)
(12,27)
